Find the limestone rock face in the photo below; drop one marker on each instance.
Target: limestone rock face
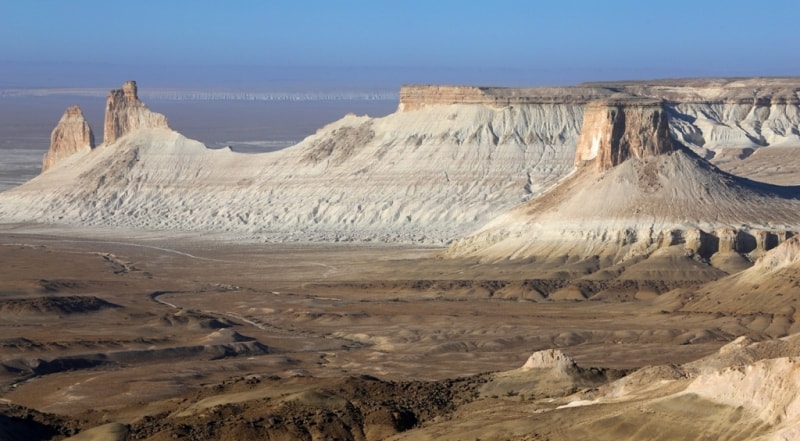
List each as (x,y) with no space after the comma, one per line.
(71,135)
(420,97)
(614,131)
(126,113)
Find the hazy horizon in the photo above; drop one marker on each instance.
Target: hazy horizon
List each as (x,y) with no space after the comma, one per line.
(358,45)
(326,51)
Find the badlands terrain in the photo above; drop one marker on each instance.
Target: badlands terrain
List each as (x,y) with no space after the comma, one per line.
(604,261)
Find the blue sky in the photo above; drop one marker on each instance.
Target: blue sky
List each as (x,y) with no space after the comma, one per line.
(387,43)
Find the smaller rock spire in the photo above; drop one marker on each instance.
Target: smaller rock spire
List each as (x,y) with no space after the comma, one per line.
(71,135)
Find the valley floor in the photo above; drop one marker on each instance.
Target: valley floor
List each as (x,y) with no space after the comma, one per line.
(160,332)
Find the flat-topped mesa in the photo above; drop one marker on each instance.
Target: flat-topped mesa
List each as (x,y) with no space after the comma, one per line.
(71,135)
(418,97)
(753,91)
(616,130)
(126,113)
(748,91)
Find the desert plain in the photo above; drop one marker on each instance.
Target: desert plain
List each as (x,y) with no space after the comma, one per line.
(646,289)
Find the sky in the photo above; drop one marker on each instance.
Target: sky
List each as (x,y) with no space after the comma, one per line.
(383,44)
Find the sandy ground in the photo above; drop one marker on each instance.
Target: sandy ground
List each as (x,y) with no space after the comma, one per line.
(108,326)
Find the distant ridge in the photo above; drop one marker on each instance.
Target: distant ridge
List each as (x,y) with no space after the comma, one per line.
(215,95)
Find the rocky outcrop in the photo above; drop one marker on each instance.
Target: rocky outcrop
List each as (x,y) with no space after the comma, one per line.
(752,242)
(126,113)
(614,131)
(549,359)
(71,135)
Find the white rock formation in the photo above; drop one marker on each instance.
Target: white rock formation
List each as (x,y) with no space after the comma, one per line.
(644,192)
(428,175)
(451,160)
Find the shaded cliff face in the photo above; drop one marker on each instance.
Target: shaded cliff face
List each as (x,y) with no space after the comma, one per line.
(126,113)
(614,131)
(71,135)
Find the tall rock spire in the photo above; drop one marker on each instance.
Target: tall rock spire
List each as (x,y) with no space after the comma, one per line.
(126,113)
(71,135)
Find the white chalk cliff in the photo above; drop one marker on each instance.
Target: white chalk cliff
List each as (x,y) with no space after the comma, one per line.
(428,175)
(449,161)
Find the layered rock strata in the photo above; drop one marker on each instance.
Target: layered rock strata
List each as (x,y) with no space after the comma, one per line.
(126,113)
(420,97)
(645,191)
(614,131)
(705,114)
(452,161)
(71,135)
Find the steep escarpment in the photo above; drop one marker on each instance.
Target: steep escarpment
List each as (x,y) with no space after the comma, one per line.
(704,114)
(614,131)
(453,160)
(419,97)
(717,114)
(637,190)
(71,135)
(126,113)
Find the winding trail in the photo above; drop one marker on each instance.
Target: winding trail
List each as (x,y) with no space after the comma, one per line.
(152,247)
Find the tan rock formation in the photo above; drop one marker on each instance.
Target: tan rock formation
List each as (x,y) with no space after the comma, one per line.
(71,135)
(727,240)
(126,113)
(420,97)
(614,131)
(751,92)
(549,359)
